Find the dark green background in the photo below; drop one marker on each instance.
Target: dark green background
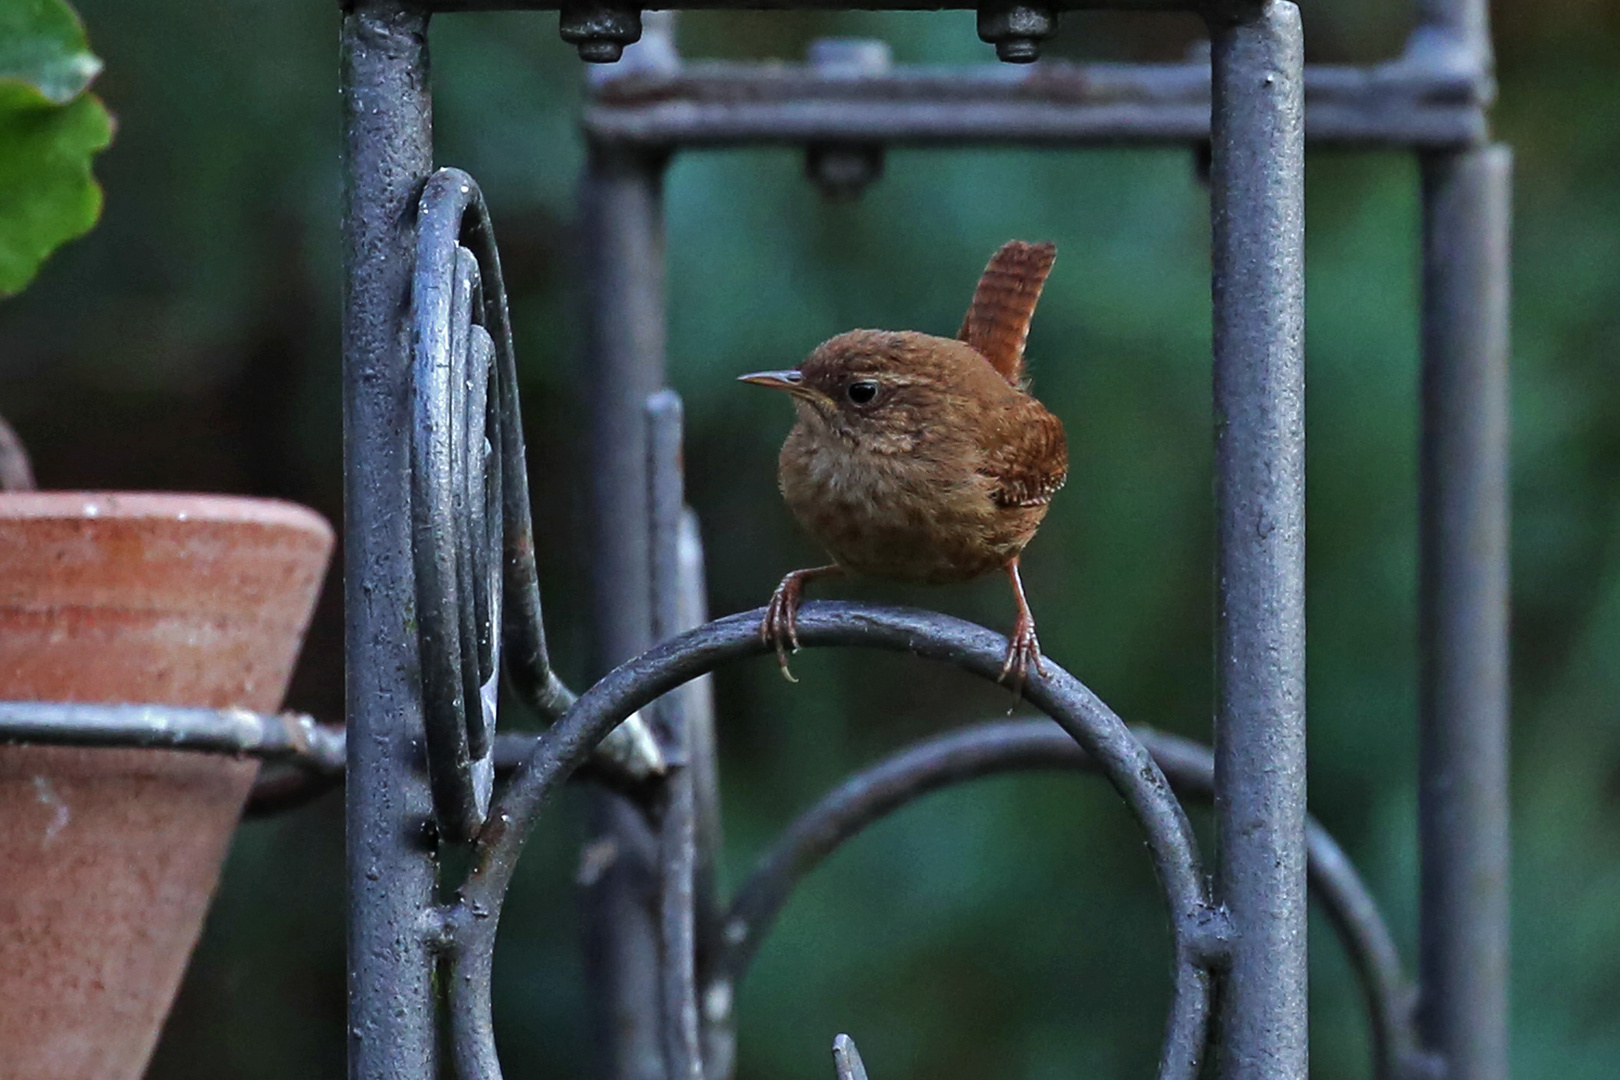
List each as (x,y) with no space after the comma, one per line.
(1010,928)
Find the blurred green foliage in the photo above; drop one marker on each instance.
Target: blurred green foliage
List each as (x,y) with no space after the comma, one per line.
(1011,927)
(50,127)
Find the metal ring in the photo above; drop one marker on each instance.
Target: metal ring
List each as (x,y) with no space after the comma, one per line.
(1197,928)
(1000,747)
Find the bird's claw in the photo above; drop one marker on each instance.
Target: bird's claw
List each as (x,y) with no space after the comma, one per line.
(780,626)
(1023,651)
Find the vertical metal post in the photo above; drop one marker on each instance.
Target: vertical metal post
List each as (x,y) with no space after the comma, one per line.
(1464,22)
(624,234)
(388,138)
(1463,612)
(717,1022)
(678,815)
(1257,196)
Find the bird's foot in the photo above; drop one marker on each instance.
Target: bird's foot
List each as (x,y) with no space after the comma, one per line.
(780,626)
(1023,651)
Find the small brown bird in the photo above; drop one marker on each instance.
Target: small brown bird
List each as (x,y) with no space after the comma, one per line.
(919,458)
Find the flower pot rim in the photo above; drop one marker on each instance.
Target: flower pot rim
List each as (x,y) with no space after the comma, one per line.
(147,505)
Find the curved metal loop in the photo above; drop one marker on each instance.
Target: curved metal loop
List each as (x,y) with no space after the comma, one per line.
(457,451)
(989,749)
(477,587)
(1197,928)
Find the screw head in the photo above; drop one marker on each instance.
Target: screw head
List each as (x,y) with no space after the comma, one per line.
(1016,30)
(599,31)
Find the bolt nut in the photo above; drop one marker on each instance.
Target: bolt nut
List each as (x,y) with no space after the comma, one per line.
(1016,30)
(843,170)
(599,31)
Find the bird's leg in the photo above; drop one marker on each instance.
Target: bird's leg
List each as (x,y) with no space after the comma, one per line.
(780,627)
(1024,649)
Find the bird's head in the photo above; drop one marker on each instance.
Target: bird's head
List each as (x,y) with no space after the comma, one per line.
(882,389)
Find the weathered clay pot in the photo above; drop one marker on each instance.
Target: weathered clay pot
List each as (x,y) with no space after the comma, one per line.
(108,858)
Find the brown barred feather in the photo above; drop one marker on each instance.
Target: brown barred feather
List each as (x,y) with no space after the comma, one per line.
(1030,462)
(997,322)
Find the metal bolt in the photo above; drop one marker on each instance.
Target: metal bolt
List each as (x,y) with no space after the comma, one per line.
(1016,30)
(599,31)
(842,170)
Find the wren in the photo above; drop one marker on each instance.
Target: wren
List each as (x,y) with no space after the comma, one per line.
(921,458)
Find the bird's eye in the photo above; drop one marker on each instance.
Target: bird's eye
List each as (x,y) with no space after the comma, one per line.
(862,392)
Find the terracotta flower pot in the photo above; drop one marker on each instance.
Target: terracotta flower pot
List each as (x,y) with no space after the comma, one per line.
(108,858)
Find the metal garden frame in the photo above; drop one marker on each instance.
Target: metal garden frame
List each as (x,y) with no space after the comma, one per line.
(442,594)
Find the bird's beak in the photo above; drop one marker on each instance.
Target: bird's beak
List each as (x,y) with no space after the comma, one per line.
(789,380)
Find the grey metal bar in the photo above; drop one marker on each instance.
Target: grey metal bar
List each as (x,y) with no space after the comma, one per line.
(1463,794)
(821,5)
(1467,22)
(388,151)
(624,231)
(716,1020)
(623,217)
(1257,197)
(677,823)
(1056,102)
(291,737)
(847,1060)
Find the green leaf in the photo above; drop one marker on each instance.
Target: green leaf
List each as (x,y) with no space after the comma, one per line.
(42,45)
(50,128)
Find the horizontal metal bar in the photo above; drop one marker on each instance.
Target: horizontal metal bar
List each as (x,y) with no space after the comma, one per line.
(822,5)
(289,737)
(279,736)
(1397,104)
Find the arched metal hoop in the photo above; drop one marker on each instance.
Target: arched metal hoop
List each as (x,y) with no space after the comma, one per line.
(1197,929)
(991,749)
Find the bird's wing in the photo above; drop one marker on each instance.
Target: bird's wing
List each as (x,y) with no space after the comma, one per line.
(1029,461)
(997,321)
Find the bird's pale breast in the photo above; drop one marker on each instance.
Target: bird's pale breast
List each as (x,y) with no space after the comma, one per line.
(930,517)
